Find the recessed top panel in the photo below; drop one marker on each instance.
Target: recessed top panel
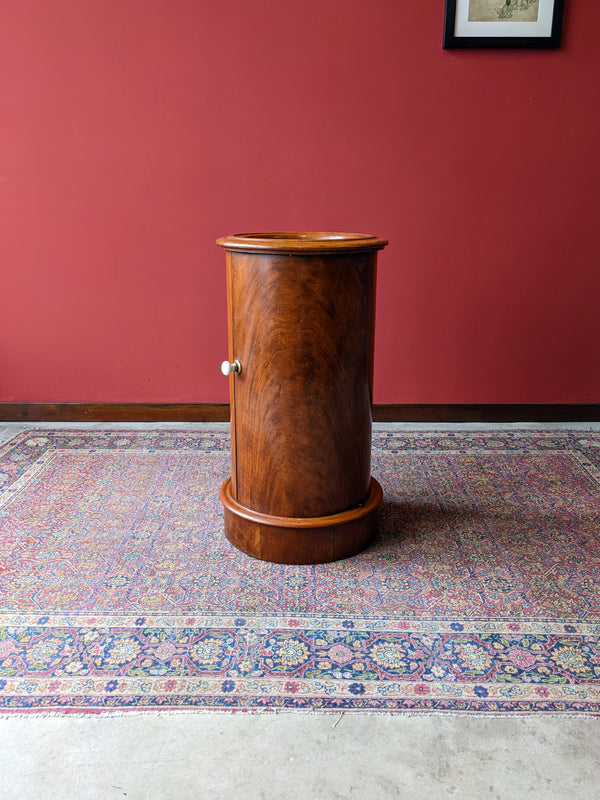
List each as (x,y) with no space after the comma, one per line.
(300,242)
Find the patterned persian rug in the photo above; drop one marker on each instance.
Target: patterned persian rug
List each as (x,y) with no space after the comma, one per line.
(481,593)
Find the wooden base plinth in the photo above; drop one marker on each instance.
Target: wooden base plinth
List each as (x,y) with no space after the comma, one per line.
(300,540)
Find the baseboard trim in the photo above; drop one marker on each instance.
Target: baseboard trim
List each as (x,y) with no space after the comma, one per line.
(114,412)
(488,412)
(219,412)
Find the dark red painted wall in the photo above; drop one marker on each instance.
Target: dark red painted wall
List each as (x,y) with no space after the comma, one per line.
(134,133)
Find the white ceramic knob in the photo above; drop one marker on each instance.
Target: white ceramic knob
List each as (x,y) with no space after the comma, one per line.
(227,368)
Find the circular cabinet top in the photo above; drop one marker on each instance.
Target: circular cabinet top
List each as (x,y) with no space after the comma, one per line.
(301,242)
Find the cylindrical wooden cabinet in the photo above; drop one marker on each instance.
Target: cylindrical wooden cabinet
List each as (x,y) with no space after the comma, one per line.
(301,311)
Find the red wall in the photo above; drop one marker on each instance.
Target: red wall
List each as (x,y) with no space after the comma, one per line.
(134,132)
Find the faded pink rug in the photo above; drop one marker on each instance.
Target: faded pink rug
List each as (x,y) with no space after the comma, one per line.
(481,593)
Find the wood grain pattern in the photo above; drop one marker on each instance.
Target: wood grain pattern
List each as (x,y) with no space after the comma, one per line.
(301,243)
(302,328)
(302,316)
(305,540)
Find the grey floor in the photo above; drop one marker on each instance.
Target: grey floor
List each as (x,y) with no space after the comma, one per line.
(199,755)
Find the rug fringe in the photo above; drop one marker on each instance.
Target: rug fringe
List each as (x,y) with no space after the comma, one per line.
(305,712)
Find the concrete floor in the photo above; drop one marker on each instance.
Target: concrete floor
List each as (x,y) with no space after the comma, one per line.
(193,756)
(199,755)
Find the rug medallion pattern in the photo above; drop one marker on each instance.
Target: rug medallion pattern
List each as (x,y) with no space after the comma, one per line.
(480,594)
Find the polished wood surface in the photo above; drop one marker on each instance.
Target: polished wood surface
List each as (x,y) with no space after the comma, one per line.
(301,540)
(301,316)
(301,242)
(302,328)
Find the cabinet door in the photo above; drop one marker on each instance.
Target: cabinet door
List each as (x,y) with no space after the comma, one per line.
(302,328)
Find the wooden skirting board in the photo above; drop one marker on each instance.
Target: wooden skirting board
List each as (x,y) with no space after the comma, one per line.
(219,412)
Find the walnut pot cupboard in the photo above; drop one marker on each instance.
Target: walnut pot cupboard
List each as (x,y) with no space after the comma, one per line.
(301,313)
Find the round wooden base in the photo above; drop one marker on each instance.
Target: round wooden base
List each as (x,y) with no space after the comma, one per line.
(300,540)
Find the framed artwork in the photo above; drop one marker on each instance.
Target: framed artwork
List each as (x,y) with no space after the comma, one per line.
(503,23)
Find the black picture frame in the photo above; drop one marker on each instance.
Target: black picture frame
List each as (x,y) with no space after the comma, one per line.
(501,35)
